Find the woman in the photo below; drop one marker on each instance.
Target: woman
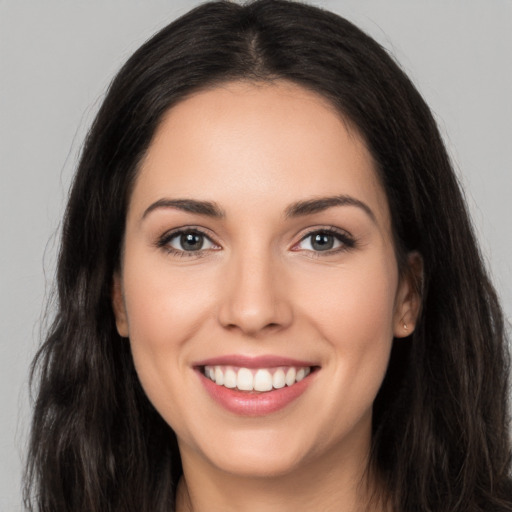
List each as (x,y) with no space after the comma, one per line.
(270,294)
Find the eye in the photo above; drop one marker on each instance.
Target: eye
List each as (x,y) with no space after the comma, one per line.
(325,240)
(187,241)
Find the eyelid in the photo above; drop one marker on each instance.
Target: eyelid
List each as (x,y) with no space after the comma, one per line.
(163,240)
(344,237)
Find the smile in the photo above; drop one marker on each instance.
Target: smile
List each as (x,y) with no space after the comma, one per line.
(255,379)
(255,386)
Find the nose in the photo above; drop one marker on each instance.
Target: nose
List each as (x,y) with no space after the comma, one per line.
(255,299)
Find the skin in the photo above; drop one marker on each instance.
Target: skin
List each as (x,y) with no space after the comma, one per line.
(259,288)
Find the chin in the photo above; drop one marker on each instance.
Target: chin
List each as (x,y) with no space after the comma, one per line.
(258,453)
(260,465)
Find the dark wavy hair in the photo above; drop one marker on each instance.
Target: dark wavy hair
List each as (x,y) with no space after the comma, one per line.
(441,438)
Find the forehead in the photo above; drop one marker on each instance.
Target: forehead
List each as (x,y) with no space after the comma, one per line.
(248,144)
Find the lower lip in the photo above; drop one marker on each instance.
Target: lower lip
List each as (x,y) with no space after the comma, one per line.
(246,403)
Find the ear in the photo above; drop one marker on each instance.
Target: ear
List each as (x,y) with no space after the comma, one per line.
(408,299)
(119,307)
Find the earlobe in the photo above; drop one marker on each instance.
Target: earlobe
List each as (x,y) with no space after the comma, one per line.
(119,307)
(409,297)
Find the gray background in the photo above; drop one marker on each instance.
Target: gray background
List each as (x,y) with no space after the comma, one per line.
(56,59)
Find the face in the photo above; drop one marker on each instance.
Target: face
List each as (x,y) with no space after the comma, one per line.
(259,285)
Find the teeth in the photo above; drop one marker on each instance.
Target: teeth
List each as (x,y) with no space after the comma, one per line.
(278,379)
(290,376)
(244,380)
(230,378)
(219,376)
(262,379)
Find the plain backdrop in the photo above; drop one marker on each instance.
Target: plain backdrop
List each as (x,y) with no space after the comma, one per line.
(56,60)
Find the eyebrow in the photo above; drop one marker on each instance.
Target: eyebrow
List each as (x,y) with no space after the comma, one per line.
(317,205)
(298,209)
(207,208)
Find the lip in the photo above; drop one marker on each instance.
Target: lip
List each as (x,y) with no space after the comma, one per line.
(245,403)
(264,361)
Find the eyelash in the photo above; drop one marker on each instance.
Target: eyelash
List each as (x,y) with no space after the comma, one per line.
(347,241)
(164,241)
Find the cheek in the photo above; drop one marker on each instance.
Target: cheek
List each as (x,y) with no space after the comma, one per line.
(352,308)
(165,310)
(354,301)
(165,303)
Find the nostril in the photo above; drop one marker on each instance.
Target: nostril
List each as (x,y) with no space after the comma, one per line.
(252,310)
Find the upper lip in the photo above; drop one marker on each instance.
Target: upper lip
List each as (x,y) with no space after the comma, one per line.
(264,361)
